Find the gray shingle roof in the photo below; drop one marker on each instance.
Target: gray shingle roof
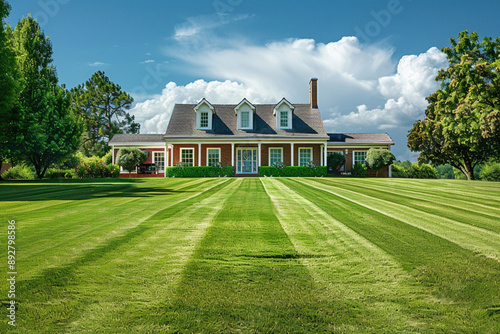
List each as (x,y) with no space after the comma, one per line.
(360,138)
(306,122)
(136,138)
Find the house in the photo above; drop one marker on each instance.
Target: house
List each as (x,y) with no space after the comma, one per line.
(248,136)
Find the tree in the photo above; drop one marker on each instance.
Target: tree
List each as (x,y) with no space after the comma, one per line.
(335,161)
(46,132)
(9,88)
(378,158)
(102,107)
(462,123)
(129,158)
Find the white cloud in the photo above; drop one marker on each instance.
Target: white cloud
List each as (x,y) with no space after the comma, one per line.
(149,61)
(197,25)
(97,64)
(360,88)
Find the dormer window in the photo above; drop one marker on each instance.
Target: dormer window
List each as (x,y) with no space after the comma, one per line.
(284,113)
(204,114)
(244,112)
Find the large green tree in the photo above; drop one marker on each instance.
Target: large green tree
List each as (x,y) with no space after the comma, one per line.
(462,123)
(377,158)
(46,132)
(102,106)
(9,88)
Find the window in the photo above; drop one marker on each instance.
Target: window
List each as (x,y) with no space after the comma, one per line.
(275,155)
(187,156)
(213,156)
(204,120)
(159,161)
(245,119)
(305,156)
(283,119)
(359,157)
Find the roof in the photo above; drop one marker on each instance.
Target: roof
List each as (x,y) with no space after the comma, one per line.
(360,138)
(136,138)
(306,122)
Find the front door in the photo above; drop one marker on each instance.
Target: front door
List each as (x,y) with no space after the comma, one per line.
(246,160)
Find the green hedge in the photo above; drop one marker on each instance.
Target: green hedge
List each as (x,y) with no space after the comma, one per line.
(199,171)
(293,171)
(53,173)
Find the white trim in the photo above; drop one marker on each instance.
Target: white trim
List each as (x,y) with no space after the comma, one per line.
(259,153)
(252,148)
(244,101)
(166,160)
(325,155)
(305,148)
(185,148)
(212,148)
(269,154)
(199,154)
(232,154)
(172,155)
(204,101)
(292,149)
(112,154)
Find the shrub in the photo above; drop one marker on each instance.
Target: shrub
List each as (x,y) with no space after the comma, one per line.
(377,158)
(293,171)
(360,169)
(334,161)
(112,170)
(422,171)
(199,171)
(129,158)
(399,171)
(54,173)
(19,173)
(445,172)
(490,172)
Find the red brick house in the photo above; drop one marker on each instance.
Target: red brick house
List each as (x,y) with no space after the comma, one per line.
(248,136)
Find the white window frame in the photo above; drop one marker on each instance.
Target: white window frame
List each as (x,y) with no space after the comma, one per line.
(299,157)
(154,160)
(213,148)
(186,149)
(354,157)
(287,113)
(269,154)
(204,113)
(243,126)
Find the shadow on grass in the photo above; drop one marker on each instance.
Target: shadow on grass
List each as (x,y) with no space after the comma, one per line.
(82,189)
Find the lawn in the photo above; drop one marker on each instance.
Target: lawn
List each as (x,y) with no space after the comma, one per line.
(259,255)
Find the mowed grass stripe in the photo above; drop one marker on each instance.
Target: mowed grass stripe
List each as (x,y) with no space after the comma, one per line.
(353,272)
(466,279)
(470,237)
(468,211)
(48,297)
(85,224)
(245,276)
(159,257)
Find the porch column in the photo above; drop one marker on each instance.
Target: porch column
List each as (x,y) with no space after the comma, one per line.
(199,154)
(165,159)
(322,156)
(291,146)
(326,155)
(172,155)
(113,154)
(232,154)
(258,156)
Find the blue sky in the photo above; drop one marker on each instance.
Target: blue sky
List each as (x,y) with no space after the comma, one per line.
(375,60)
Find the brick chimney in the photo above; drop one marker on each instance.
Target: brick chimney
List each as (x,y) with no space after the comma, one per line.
(313,93)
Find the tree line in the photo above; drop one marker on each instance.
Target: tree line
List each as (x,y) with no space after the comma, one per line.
(42,123)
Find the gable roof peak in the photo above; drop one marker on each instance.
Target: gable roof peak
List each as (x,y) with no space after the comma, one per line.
(244,101)
(285,101)
(202,102)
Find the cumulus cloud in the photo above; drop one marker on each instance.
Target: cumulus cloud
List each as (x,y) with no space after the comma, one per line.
(154,113)
(360,88)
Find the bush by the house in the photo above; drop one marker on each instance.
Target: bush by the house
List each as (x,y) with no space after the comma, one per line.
(293,171)
(93,169)
(360,169)
(199,171)
(54,173)
(19,172)
(334,161)
(490,172)
(399,171)
(422,171)
(129,158)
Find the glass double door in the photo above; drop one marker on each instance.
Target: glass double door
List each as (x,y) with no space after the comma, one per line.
(246,160)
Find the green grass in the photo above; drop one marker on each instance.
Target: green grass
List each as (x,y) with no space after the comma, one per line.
(283,255)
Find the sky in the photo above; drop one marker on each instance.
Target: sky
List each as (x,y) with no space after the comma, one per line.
(375,61)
